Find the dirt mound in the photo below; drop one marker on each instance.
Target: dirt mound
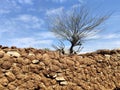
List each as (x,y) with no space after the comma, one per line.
(31,69)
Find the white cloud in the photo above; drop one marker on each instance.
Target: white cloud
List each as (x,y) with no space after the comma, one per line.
(29,21)
(27,18)
(46,35)
(76,5)
(96,45)
(8,6)
(26,1)
(111,36)
(4,11)
(61,1)
(117,43)
(93,37)
(81,1)
(58,1)
(7,26)
(30,42)
(20,24)
(54,11)
(106,36)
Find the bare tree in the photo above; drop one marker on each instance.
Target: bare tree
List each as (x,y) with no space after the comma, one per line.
(75,26)
(60,47)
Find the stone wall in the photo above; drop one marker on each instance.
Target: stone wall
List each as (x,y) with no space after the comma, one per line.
(32,69)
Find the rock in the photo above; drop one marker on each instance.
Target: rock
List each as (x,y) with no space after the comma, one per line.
(104,51)
(63,83)
(45,57)
(38,56)
(31,57)
(10,76)
(53,82)
(56,62)
(55,55)
(26,61)
(47,62)
(82,66)
(45,81)
(2,87)
(13,47)
(59,74)
(30,84)
(2,54)
(107,56)
(118,55)
(80,57)
(4,81)
(35,61)
(11,86)
(4,47)
(41,64)
(6,65)
(52,75)
(1,73)
(69,62)
(31,54)
(20,76)
(55,76)
(59,71)
(0,46)
(20,60)
(13,53)
(100,61)
(42,85)
(34,68)
(54,68)
(25,68)
(60,79)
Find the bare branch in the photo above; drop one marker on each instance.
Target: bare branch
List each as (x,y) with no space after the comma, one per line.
(60,47)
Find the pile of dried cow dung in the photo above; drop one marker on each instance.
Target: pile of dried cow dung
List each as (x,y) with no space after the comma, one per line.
(32,69)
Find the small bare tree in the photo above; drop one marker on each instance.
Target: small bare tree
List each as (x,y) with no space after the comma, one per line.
(75,25)
(60,47)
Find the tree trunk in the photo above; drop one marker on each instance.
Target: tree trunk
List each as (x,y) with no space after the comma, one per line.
(71,49)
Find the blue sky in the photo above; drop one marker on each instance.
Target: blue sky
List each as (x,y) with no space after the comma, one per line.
(23,22)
